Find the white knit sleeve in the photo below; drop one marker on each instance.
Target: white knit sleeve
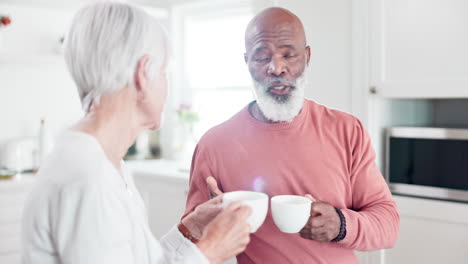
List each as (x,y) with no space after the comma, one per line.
(179,250)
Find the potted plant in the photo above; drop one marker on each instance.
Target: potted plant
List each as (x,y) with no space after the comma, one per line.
(185,137)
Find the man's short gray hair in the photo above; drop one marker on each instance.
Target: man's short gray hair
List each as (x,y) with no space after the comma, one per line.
(104,44)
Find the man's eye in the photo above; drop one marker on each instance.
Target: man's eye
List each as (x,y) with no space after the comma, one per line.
(289,56)
(262,59)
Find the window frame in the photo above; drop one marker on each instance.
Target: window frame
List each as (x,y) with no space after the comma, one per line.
(180,90)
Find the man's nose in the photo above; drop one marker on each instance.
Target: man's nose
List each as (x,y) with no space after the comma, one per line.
(277,67)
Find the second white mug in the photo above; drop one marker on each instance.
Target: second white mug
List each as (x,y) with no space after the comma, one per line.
(290,212)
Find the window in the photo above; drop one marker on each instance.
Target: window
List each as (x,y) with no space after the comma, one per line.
(216,80)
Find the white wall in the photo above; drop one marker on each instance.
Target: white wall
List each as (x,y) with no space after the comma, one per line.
(34,82)
(328,30)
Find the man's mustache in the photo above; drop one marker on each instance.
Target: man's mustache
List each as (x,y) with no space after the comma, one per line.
(268,83)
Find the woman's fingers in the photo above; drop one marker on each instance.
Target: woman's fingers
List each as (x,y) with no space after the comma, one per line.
(213,187)
(216,201)
(233,206)
(244,211)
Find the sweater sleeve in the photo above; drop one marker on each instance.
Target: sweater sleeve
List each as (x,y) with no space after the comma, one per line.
(200,170)
(373,221)
(178,249)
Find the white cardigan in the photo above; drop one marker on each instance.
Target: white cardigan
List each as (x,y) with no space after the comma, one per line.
(82,211)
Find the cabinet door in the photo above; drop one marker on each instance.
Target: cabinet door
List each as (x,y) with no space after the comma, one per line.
(429,241)
(431,232)
(418,48)
(13,195)
(164,200)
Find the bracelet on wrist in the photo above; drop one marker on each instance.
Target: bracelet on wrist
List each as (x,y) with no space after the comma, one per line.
(342,234)
(186,233)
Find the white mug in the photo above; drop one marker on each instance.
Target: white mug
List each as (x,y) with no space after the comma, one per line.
(257,201)
(290,212)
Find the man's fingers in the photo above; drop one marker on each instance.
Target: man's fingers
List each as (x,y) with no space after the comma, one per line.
(213,186)
(315,228)
(310,197)
(318,231)
(307,234)
(316,209)
(317,222)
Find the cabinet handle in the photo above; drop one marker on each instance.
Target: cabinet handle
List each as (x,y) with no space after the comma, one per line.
(373,90)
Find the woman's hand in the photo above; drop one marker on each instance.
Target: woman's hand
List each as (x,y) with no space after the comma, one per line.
(206,212)
(203,214)
(227,235)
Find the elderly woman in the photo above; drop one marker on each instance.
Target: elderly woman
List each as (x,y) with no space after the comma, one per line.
(85,207)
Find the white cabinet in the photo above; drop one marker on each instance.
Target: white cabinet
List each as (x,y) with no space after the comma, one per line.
(13,194)
(418,48)
(432,232)
(163,185)
(164,198)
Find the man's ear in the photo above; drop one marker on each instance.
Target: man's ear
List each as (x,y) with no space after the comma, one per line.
(141,74)
(308,54)
(246,57)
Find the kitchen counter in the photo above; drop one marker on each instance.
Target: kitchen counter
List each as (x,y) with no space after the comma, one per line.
(167,169)
(18,181)
(153,169)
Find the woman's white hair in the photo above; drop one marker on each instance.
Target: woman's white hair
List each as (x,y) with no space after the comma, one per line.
(105,42)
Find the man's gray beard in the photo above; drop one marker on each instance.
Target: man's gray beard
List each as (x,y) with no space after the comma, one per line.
(281,108)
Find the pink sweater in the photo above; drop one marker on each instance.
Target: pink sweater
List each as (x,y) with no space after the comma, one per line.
(324,152)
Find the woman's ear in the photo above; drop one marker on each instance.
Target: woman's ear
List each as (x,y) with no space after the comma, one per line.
(141,74)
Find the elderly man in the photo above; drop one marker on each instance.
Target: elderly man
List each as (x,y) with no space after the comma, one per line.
(284,144)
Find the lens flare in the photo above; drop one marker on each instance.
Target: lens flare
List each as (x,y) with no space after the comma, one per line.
(259,184)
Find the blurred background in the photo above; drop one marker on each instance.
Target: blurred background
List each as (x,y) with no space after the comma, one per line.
(401,66)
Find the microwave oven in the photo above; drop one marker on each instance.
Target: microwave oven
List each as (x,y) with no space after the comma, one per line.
(427,162)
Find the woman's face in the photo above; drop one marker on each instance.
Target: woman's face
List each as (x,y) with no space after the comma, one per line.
(157,98)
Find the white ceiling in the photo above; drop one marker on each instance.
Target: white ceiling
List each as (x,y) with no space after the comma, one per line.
(72,3)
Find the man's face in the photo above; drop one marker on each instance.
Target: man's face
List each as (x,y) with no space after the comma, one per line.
(277,58)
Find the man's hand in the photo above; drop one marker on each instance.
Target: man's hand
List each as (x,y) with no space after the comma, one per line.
(324,222)
(213,187)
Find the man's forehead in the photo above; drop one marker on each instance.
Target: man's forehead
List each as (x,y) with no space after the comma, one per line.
(274,25)
(280,34)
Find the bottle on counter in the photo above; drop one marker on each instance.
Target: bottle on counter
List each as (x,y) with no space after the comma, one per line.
(45,141)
